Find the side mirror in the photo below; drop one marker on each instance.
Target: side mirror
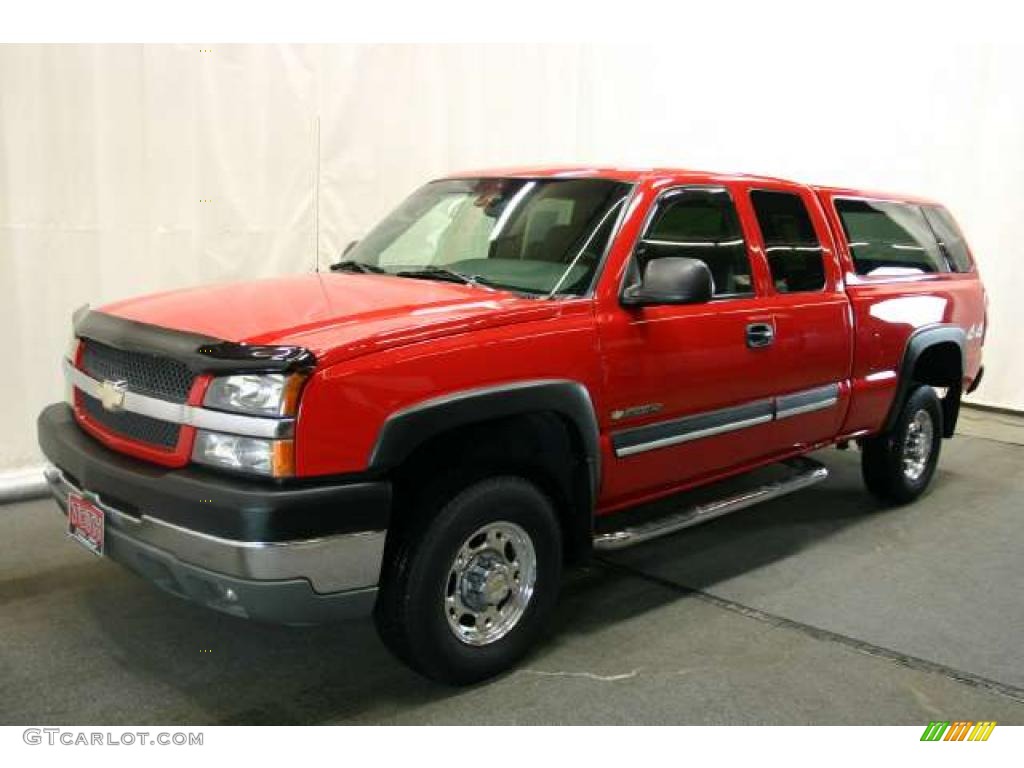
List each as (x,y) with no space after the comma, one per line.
(671,280)
(349,247)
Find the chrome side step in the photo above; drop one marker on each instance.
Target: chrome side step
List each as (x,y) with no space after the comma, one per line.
(806,472)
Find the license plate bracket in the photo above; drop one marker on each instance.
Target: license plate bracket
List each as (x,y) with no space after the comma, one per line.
(86,523)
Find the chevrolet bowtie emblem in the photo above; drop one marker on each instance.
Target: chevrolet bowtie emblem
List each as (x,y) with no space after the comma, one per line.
(112,394)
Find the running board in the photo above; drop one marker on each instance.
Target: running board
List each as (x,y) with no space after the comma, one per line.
(805,472)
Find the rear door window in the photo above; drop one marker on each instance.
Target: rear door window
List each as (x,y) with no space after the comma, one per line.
(700,223)
(949,236)
(790,243)
(889,239)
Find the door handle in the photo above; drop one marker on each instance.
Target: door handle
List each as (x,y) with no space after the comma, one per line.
(760,335)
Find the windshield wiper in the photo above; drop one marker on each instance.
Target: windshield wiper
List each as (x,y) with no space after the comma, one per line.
(448,275)
(357,266)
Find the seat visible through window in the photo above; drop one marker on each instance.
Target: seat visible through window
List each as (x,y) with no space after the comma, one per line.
(791,245)
(700,223)
(889,238)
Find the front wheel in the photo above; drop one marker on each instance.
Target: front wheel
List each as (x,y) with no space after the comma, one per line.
(898,466)
(467,592)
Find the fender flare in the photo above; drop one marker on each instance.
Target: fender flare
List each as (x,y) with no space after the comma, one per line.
(919,341)
(409,428)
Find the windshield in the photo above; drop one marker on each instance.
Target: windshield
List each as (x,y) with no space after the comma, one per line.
(538,236)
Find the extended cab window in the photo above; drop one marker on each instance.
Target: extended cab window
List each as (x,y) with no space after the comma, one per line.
(949,236)
(790,243)
(537,236)
(889,238)
(700,223)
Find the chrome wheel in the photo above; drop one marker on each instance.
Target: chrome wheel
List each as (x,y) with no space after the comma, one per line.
(917,445)
(490,583)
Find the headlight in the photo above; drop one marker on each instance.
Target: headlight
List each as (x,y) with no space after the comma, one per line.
(261,394)
(272,458)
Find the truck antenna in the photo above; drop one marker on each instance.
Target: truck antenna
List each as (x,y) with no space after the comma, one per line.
(316,201)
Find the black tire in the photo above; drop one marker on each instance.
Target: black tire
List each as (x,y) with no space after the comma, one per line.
(887,461)
(416,586)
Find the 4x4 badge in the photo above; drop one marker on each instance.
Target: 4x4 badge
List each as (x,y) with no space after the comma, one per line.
(112,394)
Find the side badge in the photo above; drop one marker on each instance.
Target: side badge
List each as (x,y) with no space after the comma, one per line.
(636,410)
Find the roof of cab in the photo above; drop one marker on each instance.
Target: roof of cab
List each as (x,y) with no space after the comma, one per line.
(631,175)
(873,195)
(635,175)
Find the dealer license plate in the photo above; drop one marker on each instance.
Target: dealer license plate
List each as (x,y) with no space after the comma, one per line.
(85,523)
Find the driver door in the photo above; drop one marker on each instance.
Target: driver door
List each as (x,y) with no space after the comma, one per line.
(690,387)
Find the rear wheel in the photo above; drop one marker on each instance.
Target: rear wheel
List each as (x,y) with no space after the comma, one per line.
(899,465)
(468,591)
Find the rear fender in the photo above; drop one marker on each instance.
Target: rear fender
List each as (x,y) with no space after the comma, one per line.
(920,342)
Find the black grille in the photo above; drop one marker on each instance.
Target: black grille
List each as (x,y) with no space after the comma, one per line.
(134,426)
(146,374)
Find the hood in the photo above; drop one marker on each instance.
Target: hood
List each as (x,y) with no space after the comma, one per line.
(332,315)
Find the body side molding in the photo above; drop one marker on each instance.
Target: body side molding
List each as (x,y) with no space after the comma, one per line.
(806,401)
(662,434)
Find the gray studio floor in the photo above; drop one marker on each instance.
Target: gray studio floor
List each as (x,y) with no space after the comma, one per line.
(822,607)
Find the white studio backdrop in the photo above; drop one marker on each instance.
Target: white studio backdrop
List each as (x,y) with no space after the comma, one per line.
(127,169)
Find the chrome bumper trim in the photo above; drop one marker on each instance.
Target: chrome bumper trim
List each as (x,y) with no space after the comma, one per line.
(183,413)
(331,563)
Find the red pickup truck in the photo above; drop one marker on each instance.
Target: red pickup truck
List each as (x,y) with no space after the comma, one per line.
(501,377)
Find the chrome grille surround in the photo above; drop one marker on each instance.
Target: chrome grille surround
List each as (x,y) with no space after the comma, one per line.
(183,413)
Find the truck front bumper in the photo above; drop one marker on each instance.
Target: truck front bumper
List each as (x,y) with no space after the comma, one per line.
(169,527)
